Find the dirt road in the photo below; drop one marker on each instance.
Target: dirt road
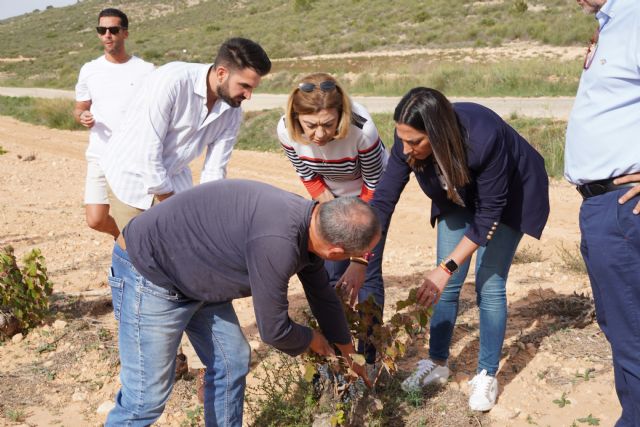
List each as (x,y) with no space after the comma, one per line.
(68,373)
(553,107)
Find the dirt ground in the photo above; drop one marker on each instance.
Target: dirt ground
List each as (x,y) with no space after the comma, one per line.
(65,373)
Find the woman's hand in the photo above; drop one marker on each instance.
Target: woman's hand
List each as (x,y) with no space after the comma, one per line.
(432,287)
(352,280)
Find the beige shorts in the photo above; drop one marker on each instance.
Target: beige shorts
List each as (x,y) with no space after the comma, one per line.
(121,212)
(95,186)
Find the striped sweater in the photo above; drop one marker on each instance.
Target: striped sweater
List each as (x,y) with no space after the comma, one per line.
(347,167)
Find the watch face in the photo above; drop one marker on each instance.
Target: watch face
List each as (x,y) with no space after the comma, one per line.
(451,265)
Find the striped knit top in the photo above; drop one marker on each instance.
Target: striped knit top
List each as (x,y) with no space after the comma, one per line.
(351,166)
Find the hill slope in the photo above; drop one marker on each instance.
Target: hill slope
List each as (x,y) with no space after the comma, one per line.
(51,45)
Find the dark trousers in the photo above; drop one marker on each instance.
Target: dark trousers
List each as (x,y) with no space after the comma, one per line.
(611,250)
(373,285)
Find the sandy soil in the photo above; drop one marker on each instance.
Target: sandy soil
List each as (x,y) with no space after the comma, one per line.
(515,50)
(65,373)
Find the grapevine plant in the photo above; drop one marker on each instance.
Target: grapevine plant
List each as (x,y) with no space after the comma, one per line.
(24,293)
(391,340)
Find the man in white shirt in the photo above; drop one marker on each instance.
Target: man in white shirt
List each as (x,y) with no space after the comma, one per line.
(181,110)
(103,92)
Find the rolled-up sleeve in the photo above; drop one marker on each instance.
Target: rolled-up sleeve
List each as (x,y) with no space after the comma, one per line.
(219,151)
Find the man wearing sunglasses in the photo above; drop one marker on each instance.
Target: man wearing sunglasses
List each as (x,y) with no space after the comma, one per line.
(105,87)
(182,110)
(602,158)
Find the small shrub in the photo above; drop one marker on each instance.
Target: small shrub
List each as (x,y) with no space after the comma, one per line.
(302,5)
(2,150)
(422,16)
(16,415)
(589,420)
(24,292)
(572,259)
(152,55)
(281,395)
(563,401)
(528,254)
(194,417)
(520,6)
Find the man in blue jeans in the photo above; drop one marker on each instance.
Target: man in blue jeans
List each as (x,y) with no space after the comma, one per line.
(602,158)
(187,258)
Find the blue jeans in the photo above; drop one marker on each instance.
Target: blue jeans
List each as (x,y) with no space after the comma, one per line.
(611,249)
(492,268)
(373,285)
(151,321)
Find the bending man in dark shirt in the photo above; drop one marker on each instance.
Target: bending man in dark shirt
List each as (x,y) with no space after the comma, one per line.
(187,258)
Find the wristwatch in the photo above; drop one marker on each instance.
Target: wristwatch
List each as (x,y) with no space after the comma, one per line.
(450,265)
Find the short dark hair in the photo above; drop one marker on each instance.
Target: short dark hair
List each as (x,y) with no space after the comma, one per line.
(348,222)
(124,21)
(238,53)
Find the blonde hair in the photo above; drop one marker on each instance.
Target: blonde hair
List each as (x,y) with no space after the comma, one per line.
(301,102)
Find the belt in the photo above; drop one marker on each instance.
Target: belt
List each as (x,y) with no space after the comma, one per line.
(597,188)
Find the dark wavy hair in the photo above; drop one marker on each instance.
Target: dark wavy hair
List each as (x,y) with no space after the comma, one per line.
(429,111)
(238,53)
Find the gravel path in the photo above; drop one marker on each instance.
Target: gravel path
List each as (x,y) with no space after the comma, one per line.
(553,107)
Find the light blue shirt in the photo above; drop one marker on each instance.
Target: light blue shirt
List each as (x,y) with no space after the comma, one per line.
(603,135)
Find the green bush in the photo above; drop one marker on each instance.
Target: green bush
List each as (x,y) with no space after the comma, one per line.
(258,131)
(547,136)
(53,113)
(24,292)
(281,395)
(520,6)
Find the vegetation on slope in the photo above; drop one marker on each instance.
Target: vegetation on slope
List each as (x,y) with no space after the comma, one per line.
(58,41)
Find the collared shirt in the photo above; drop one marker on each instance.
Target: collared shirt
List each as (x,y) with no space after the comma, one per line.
(110,87)
(603,135)
(167,126)
(248,245)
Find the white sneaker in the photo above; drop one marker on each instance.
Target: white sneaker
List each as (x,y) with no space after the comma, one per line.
(484,391)
(427,372)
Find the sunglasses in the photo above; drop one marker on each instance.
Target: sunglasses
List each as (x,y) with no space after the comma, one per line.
(113,30)
(324,86)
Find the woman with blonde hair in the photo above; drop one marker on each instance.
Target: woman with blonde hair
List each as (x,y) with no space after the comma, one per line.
(336,151)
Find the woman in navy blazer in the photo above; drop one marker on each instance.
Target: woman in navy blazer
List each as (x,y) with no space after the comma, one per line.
(488,186)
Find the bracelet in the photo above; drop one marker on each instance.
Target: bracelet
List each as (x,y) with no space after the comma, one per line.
(444,267)
(359,260)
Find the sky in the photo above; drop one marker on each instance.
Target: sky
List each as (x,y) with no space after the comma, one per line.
(9,8)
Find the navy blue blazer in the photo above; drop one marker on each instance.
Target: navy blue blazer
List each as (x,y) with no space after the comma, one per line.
(509,183)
